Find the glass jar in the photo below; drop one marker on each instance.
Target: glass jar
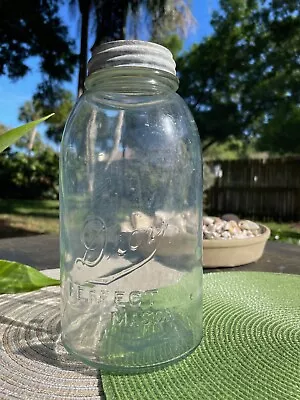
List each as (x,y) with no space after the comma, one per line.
(130,214)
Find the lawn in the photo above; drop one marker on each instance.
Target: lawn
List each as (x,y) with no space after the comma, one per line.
(285,232)
(28,217)
(31,217)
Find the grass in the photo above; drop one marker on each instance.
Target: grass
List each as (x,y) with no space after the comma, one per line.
(32,217)
(285,232)
(28,217)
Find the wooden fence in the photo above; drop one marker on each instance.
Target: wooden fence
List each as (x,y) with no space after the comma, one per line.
(265,189)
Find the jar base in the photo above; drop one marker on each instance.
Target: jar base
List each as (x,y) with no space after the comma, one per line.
(123,370)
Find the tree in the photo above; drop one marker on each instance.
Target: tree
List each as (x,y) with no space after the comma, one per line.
(31,178)
(30,29)
(204,84)
(3,129)
(29,112)
(110,19)
(238,81)
(233,149)
(61,106)
(174,43)
(282,133)
(60,102)
(28,176)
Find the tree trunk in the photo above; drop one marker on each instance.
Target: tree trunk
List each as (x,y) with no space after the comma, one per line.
(118,136)
(91,142)
(32,139)
(111,21)
(84,6)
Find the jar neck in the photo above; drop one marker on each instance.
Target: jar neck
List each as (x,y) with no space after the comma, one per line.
(132,81)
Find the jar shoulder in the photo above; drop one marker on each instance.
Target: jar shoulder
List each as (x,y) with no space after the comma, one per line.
(163,115)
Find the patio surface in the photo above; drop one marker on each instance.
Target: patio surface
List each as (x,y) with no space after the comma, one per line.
(42,252)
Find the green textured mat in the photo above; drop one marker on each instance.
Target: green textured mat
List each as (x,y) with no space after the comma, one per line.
(251,347)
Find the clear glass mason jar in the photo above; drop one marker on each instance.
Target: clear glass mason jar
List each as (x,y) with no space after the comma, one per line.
(130,214)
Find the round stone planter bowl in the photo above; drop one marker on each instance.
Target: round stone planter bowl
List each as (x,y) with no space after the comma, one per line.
(234,252)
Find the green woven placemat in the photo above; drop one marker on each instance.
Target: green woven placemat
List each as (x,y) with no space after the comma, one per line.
(250,351)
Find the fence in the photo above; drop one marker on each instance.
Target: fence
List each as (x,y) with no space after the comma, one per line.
(266,189)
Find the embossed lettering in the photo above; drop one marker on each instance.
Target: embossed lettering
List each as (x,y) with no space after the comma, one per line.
(119,318)
(135,298)
(150,294)
(119,295)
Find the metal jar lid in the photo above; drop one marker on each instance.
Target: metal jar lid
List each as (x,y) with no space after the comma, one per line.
(132,53)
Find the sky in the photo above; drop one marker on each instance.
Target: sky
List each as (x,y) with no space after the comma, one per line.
(14,94)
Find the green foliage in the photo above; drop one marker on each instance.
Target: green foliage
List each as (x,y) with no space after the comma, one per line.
(29,177)
(33,208)
(160,18)
(282,133)
(58,100)
(28,217)
(16,277)
(25,176)
(284,232)
(232,149)
(29,111)
(129,19)
(205,87)
(33,146)
(174,43)
(173,18)
(242,78)
(3,129)
(11,136)
(34,28)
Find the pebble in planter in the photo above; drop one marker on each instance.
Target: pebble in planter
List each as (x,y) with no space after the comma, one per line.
(216,228)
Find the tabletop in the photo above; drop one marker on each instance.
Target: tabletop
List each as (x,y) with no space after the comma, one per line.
(42,252)
(34,364)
